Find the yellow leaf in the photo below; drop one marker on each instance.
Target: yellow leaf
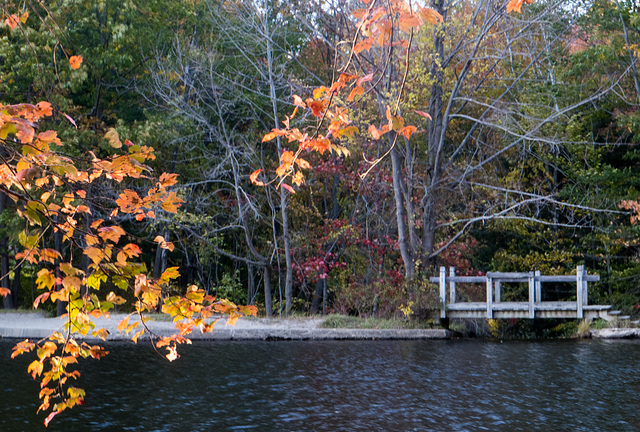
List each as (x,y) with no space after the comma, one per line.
(318,92)
(170,273)
(115,299)
(24,17)
(113,138)
(348,131)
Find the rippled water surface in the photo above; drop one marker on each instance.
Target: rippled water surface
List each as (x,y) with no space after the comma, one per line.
(345,386)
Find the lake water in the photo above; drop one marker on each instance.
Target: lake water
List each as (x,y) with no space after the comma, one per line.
(586,385)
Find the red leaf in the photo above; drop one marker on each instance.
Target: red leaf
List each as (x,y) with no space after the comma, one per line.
(50,417)
(289,188)
(424,114)
(12,21)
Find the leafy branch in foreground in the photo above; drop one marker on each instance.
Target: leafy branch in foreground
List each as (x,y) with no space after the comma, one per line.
(56,194)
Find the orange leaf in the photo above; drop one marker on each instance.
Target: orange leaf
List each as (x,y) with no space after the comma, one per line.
(514,5)
(407,131)
(75,62)
(355,92)
(297,101)
(317,107)
(254,178)
(377,133)
(5,292)
(433,17)
(303,163)
(423,114)
(123,324)
(407,21)
(289,188)
(12,21)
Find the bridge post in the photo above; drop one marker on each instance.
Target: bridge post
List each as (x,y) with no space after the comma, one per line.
(585,291)
(538,287)
(443,292)
(489,297)
(452,285)
(532,285)
(579,288)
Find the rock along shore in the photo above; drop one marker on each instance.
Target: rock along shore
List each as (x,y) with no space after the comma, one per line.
(37,326)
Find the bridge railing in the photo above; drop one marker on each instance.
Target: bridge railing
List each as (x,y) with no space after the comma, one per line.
(493,281)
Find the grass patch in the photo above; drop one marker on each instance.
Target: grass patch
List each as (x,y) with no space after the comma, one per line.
(353,322)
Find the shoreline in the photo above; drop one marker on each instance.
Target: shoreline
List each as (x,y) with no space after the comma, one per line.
(34,325)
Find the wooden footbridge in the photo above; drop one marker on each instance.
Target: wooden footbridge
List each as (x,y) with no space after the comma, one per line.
(534,307)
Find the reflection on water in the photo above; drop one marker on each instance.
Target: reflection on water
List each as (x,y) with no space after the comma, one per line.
(345,386)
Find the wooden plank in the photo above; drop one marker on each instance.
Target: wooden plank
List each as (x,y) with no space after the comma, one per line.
(452,285)
(507,275)
(468,306)
(579,303)
(532,285)
(561,278)
(489,298)
(538,287)
(483,279)
(443,292)
(462,279)
(585,290)
(596,307)
(556,306)
(511,306)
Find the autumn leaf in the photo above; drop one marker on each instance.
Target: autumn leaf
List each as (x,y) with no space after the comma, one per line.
(75,62)
(377,133)
(24,17)
(164,244)
(355,92)
(254,178)
(407,131)
(113,138)
(5,292)
(406,22)
(317,107)
(271,135)
(431,16)
(289,188)
(297,101)
(115,299)
(303,163)
(12,21)
(423,114)
(318,92)
(173,353)
(514,5)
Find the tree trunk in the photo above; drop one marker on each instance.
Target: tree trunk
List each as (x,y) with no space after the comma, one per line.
(403,244)
(288,285)
(9,302)
(267,292)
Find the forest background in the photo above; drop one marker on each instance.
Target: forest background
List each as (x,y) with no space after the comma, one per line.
(523,156)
